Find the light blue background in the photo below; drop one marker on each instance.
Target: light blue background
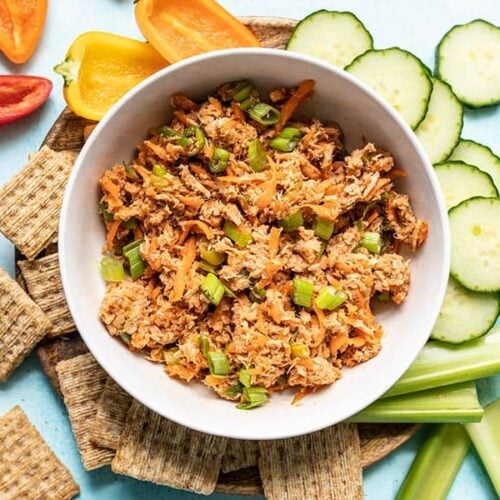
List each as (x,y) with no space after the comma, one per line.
(410,24)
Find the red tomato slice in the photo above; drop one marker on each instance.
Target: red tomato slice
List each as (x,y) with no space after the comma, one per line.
(20,95)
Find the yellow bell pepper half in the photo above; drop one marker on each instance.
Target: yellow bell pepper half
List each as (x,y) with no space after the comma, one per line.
(101,67)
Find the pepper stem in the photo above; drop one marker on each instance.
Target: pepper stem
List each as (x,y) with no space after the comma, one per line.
(68,70)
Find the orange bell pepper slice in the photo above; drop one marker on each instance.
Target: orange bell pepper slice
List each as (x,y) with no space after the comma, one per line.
(101,67)
(21,25)
(178,29)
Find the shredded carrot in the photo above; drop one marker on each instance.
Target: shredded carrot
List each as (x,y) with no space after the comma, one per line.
(113,229)
(325,211)
(182,102)
(321,324)
(189,225)
(268,273)
(372,217)
(112,191)
(198,170)
(183,118)
(180,277)
(258,177)
(138,234)
(274,241)
(342,266)
(310,171)
(155,293)
(301,394)
(259,341)
(268,193)
(191,201)
(238,112)
(396,174)
(303,90)
(337,342)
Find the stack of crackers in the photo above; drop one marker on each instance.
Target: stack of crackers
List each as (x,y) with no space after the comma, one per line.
(109,426)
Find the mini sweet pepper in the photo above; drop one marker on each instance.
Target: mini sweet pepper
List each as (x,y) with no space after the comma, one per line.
(101,67)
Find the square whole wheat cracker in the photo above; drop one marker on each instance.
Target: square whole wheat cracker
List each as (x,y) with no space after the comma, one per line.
(29,469)
(82,380)
(30,202)
(22,325)
(323,465)
(112,409)
(154,449)
(43,280)
(240,454)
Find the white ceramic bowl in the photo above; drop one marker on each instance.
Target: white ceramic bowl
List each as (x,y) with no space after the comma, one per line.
(362,115)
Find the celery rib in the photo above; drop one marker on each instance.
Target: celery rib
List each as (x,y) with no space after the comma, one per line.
(440,364)
(436,464)
(485,437)
(457,403)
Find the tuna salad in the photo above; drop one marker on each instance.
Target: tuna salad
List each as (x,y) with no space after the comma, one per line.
(245,245)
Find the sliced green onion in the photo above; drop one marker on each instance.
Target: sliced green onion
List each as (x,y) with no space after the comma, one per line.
(264,114)
(257,155)
(436,465)
(323,228)
(205,266)
(158,181)
(234,390)
(159,171)
(322,248)
(292,222)
(137,265)
(237,236)
(300,351)
(205,346)
(106,214)
(112,269)
(302,292)
(245,378)
(330,298)
(485,438)
(170,357)
(212,288)
(218,162)
(440,364)
(218,363)
(287,140)
(125,337)
(194,137)
(372,242)
(254,396)
(246,104)
(456,403)
(168,132)
(228,291)
(211,256)
(383,297)
(130,172)
(242,91)
(131,223)
(131,246)
(257,295)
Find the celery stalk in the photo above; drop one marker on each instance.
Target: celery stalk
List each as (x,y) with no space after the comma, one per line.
(485,437)
(440,364)
(457,403)
(436,464)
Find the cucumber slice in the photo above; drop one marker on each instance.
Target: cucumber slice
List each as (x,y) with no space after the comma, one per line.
(468,58)
(480,156)
(475,244)
(399,77)
(465,315)
(460,181)
(440,130)
(335,37)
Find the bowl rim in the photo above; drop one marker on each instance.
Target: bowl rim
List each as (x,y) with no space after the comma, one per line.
(408,132)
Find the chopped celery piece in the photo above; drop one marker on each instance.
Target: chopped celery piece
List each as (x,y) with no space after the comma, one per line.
(434,469)
(205,266)
(330,298)
(264,114)
(253,396)
(133,254)
(211,256)
(287,140)
(170,357)
(372,242)
(456,403)
(218,162)
(112,269)
(485,437)
(212,288)
(257,295)
(292,222)
(159,171)
(302,292)
(218,363)
(257,155)
(323,228)
(240,238)
(245,378)
(440,364)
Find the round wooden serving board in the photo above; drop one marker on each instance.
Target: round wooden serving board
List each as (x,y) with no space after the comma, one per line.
(377,440)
